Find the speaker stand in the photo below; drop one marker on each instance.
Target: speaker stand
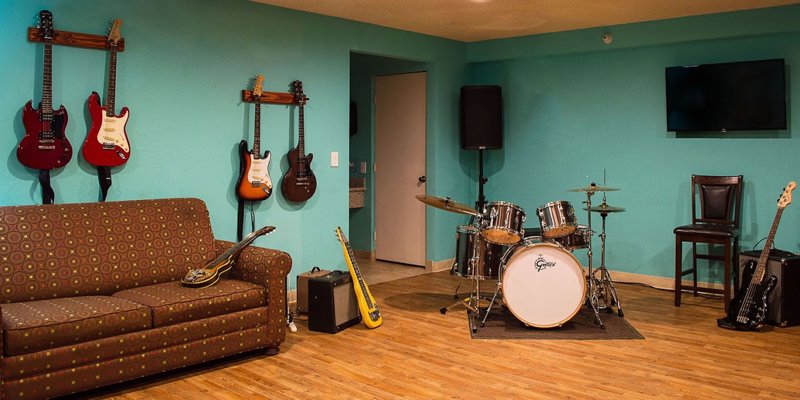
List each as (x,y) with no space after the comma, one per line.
(481,181)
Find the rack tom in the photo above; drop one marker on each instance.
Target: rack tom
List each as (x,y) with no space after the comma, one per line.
(503,222)
(557,219)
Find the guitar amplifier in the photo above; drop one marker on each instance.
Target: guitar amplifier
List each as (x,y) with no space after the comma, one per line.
(302,287)
(784,301)
(332,303)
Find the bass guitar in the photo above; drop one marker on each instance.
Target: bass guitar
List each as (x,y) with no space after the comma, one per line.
(106,143)
(748,309)
(366,303)
(254,182)
(212,271)
(299,182)
(45,146)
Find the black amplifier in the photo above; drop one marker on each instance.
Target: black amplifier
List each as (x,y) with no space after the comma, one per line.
(332,303)
(784,301)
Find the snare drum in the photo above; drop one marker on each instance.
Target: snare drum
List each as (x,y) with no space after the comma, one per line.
(503,222)
(543,285)
(576,240)
(557,219)
(476,258)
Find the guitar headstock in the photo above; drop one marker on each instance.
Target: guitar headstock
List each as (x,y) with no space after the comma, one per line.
(299,96)
(786,196)
(340,235)
(46,24)
(113,37)
(258,86)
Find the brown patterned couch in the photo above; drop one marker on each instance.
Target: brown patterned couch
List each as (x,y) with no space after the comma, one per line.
(90,295)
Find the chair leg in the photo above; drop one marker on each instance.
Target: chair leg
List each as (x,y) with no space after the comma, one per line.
(678,269)
(694,268)
(727,275)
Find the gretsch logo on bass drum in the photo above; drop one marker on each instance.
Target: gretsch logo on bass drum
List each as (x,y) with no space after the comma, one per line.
(541,263)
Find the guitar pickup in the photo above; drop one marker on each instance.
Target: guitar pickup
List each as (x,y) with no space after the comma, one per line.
(47,147)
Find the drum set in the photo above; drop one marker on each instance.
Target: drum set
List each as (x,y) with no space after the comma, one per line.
(538,279)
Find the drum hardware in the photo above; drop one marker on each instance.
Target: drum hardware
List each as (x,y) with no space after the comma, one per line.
(592,293)
(604,283)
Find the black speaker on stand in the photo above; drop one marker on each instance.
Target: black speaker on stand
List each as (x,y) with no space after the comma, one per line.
(481,122)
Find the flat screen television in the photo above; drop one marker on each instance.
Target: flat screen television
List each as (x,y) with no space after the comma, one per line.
(748,95)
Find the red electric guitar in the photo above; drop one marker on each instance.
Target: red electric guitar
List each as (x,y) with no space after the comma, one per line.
(106,143)
(44,145)
(254,181)
(299,183)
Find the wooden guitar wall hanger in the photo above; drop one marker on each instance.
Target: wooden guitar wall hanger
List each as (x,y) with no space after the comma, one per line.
(74,39)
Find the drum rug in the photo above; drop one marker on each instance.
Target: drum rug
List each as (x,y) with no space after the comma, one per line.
(501,324)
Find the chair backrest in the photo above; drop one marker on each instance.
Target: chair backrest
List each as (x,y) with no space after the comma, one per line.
(720,199)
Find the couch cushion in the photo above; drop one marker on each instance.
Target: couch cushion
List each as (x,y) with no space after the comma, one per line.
(172,302)
(44,324)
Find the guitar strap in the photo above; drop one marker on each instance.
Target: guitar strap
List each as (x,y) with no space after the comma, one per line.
(48,195)
(104,175)
(240,221)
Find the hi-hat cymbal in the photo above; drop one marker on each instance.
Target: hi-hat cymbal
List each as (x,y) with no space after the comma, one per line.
(444,203)
(594,188)
(606,208)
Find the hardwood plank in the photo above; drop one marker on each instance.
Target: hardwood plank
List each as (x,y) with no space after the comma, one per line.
(420,353)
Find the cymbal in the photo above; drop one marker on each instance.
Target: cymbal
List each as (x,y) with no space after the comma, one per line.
(606,208)
(444,203)
(594,188)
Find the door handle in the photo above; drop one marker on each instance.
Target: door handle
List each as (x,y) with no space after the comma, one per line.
(422,179)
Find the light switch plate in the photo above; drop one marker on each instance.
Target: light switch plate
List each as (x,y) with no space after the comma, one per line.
(334,159)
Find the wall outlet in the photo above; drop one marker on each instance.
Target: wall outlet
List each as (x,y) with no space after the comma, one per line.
(363,167)
(334,159)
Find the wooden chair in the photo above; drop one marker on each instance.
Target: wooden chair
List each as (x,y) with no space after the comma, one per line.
(720,200)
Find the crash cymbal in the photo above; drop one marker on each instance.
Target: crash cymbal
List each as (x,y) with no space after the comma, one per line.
(594,188)
(444,203)
(606,208)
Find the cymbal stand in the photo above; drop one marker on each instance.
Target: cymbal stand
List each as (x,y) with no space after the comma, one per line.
(604,283)
(592,290)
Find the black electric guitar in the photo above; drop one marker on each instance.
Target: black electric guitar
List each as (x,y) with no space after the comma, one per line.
(212,271)
(366,303)
(748,309)
(299,182)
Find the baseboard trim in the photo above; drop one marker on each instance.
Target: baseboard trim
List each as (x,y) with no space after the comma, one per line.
(364,255)
(658,282)
(441,265)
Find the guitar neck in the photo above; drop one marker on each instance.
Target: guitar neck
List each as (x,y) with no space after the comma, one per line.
(758,275)
(47,83)
(301,142)
(357,271)
(111,91)
(238,247)
(257,132)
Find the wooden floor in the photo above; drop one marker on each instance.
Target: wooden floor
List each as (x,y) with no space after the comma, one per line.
(420,354)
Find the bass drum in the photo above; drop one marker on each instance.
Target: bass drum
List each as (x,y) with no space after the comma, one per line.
(543,285)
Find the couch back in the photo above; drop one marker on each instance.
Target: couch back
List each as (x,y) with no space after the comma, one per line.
(62,250)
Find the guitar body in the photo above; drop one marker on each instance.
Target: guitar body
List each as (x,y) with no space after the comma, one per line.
(749,313)
(106,144)
(36,150)
(299,182)
(254,183)
(213,270)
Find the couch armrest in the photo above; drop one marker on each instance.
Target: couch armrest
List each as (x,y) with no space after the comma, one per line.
(269,268)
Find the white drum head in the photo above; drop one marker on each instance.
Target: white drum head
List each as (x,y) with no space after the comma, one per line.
(543,285)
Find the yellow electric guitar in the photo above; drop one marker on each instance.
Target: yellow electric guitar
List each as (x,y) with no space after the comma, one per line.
(213,270)
(366,303)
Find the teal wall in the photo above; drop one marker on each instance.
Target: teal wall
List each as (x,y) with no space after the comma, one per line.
(181,74)
(575,107)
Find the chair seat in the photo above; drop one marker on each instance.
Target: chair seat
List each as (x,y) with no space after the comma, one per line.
(718,230)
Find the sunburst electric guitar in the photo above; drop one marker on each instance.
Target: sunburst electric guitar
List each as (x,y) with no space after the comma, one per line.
(366,303)
(106,143)
(254,181)
(212,271)
(748,309)
(44,145)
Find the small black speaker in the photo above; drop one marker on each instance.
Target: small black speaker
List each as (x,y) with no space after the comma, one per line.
(481,117)
(332,303)
(784,302)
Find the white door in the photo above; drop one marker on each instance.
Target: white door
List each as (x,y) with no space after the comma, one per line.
(399,164)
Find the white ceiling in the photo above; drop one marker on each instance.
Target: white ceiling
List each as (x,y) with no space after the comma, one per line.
(474,20)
